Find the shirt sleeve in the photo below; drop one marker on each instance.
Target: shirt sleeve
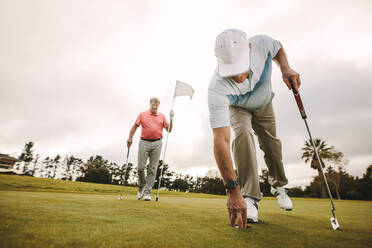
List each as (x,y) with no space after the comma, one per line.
(219,114)
(270,45)
(165,122)
(138,121)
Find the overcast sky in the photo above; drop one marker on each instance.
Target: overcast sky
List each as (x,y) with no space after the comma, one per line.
(75,74)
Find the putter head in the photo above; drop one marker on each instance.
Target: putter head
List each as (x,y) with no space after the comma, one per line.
(335,224)
(120,197)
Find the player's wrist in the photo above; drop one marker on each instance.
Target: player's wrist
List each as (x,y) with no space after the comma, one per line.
(233,191)
(285,68)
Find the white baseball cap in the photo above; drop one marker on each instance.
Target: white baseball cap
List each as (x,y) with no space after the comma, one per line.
(232,51)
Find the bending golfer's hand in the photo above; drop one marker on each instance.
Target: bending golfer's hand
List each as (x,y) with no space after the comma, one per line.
(129,142)
(237,207)
(291,76)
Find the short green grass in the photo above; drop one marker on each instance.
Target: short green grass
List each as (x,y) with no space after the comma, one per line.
(58,219)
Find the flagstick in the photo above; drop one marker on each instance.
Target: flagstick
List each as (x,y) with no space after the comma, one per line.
(165,149)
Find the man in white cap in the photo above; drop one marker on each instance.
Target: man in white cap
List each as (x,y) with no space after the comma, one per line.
(240,95)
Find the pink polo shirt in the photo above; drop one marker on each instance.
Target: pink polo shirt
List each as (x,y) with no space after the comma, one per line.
(152,125)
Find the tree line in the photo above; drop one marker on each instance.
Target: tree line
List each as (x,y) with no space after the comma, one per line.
(99,170)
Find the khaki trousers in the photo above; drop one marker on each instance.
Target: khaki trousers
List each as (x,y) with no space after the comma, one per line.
(262,122)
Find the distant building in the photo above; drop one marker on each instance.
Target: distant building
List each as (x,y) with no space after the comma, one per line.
(7,163)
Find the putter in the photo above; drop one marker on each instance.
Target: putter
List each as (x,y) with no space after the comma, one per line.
(297,97)
(126,164)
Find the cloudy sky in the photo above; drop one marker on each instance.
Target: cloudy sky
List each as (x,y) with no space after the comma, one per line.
(75,74)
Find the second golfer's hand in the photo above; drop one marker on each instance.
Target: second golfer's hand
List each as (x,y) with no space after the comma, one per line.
(237,207)
(129,142)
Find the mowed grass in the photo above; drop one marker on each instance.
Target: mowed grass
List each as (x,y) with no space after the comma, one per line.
(57,219)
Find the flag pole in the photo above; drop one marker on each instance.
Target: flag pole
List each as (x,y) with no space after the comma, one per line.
(165,149)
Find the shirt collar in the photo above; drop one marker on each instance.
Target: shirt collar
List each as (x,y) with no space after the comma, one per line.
(153,114)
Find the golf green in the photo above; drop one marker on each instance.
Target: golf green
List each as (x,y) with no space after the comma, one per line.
(49,219)
(39,212)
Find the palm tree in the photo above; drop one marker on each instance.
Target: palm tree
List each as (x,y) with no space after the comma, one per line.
(325,152)
(333,178)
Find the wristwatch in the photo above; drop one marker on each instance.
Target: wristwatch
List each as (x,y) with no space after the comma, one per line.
(231,184)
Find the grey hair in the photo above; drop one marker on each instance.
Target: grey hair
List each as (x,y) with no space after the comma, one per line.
(155,99)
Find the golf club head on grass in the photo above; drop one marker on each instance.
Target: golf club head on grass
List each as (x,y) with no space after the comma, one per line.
(335,224)
(120,197)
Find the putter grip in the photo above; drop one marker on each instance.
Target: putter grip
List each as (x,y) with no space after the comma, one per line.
(299,102)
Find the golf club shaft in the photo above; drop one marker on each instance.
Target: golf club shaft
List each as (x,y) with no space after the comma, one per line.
(127,156)
(303,115)
(321,169)
(126,164)
(163,163)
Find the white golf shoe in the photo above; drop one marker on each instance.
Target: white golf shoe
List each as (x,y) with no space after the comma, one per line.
(140,194)
(147,196)
(252,210)
(283,199)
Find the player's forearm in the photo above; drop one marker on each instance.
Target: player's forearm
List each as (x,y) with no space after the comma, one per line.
(281,60)
(222,154)
(132,131)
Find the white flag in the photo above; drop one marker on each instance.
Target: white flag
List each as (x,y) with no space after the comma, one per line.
(183,89)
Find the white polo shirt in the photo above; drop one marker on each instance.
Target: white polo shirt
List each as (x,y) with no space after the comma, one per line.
(253,93)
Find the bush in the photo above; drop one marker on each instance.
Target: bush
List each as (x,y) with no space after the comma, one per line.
(97,175)
(180,184)
(353,195)
(296,192)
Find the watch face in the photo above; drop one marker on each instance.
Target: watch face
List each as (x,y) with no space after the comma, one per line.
(231,184)
(228,184)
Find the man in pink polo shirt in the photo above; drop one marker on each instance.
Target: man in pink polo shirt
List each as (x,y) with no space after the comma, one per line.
(150,144)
